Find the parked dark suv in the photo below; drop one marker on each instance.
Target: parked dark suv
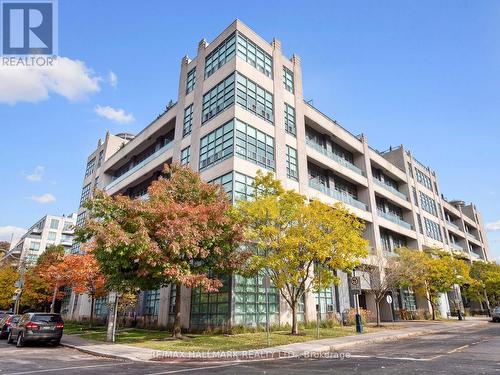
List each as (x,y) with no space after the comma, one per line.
(41,327)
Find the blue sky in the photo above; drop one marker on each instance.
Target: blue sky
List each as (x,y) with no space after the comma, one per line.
(425,74)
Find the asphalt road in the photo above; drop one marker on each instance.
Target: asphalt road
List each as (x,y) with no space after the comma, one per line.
(457,351)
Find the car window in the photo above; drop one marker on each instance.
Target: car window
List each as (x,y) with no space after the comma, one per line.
(15,319)
(3,320)
(46,318)
(24,318)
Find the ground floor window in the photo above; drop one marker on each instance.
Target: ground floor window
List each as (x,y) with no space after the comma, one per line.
(101,306)
(325,302)
(171,304)
(409,300)
(210,309)
(250,301)
(151,302)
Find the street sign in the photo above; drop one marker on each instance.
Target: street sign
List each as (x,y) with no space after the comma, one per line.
(388,299)
(355,285)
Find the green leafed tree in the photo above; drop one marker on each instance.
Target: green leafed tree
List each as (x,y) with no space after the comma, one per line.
(291,235)
(8,278)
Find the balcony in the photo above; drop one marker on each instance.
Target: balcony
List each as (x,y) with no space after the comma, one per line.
(454,246)
(472,236)
(449,223)
(335,157)
(474,256)
(136,167)
(346,198)
(395,219)
(390,188)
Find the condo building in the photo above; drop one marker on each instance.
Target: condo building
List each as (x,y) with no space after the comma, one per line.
(240,108)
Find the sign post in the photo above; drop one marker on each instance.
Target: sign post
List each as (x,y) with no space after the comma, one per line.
(356,290)
(388,298)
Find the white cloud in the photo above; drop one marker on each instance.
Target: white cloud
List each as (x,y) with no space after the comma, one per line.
(113,79)
(44,198)
(493,227)
(7,231)
(71,79)
(37,174)
(114,114)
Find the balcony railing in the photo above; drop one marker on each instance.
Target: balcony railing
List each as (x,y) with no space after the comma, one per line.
(136,167)
(454,246)
(471,235)
(390,188)
(335,157)
(449,223)
(473,255)
(395,219)
(346,198)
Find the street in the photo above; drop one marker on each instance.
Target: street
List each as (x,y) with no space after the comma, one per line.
(459,350)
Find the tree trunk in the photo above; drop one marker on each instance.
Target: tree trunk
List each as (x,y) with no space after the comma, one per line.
(295,325)
(92,305)
(378,311)
(177,331)
(433,310)
(112,314)
(54,295)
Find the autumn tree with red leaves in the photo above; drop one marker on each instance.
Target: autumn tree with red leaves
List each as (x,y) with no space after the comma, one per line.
(184,234)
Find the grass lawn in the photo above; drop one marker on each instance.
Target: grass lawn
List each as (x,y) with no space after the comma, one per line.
(209,342)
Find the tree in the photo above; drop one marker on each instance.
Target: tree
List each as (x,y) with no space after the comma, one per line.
(85,277)
(291,236)
(485,285)
(383,275)
(184,234)
(431,273)
(8,278)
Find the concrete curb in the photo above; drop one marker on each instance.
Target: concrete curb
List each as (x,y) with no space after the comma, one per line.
(232,356)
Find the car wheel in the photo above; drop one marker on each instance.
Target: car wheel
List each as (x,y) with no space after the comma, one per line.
(10,340)
(56,343)
(20,340)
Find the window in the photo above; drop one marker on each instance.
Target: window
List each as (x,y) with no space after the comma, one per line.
(188,121)
(288,80)
(190,80)
(410,169)
(255,56)
(54,224)
(345,187)
(85,195)
(221,55)
(96,182)
(243,187)
(217,145)
(210,309)
(428,204)
(151,302)
(342,152)
(254,145)
(432,230)
(324,301)
(66,238)
(101,156)
(254,98)
(226,181)
(51,236)
(185,154)
(171,303)
(34,246)
(423,179)
(409,300)
(218,98)
(420,227)
(250,301)
(391,240)
(415,198)
(90,167)
(292,171)
(290,126)
(80,219)
(101,306)
(68,225)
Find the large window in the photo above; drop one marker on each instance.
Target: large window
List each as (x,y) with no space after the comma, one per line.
(243,187)
(325,301)
(216,146)
(101,306)
(255,55)
(151,302)
(250,301)
(68,225)
(226,181)
(185,154)
(188,121)
(428,204)
(221,55)
(101,158)
(90,167)
(254,98)
(218,98)
(290,126)
(433,230)
(51,236)
(54,223)
(210,309)
(254,145)
(292,170)
(171,303)
(34,246)
(391,240)
(423,179)
(85,193)
(345,187)
(190,80)
(80,219)
(288,81)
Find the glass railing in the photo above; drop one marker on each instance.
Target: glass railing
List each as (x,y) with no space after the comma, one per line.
(454,246)
(473,255)
(140,165)
(471,235)
(346,198)
(449,223)
(335,157)
(395,219)
(390,188)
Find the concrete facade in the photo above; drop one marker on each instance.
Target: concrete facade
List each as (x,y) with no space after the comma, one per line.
(245,84)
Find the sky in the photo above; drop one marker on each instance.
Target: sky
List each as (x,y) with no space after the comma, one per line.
(425,74)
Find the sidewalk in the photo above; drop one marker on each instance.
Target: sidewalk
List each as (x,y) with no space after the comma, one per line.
(308,348)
